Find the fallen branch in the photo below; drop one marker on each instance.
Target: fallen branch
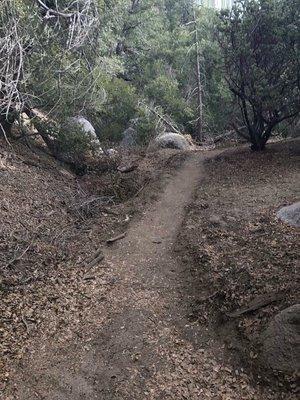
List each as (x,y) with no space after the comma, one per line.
(5,136)
(102,200)
(25,323)
(18,258)
(209,297)
(141,189)
(227,134)
(256,304)
(116,238)
(97,258)
(88,278)
(162,117)
(54,12)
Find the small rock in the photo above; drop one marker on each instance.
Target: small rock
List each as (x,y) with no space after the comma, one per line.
(204,205)
(157,241)
(290,214)
(281,341)
(216,220)
(87,129)
(84,124)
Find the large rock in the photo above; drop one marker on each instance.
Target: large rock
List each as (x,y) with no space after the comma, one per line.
(129,138)
(84,124)
(86,127)
(281,341)
(172,141)
(290,214)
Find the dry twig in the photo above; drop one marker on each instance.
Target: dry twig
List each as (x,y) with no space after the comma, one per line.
(116,238)
(18,258)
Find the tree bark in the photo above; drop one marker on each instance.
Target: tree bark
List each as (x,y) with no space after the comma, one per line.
(42,131)
(199,85)
(262,134)
(7,123)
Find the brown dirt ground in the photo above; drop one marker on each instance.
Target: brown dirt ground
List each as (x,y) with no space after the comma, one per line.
(121,348)
(149,322)
(235,251)
(50,229)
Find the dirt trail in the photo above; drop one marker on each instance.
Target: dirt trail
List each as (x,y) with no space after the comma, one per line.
(145,347)
(133,347)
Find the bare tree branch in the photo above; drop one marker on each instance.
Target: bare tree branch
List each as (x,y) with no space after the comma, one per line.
(50,11)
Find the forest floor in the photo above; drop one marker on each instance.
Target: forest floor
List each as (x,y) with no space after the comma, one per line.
(147,321)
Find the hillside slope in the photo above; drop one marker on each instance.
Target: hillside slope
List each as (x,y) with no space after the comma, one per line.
(53,223)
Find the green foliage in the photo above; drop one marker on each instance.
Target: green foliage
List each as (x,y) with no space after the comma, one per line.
(124,59)
(73,141)
(118,109)
(260,44)
(145,124)
(165,91)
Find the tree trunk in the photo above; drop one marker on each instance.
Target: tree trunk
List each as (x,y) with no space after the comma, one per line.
(40,127)
(199,85)
(260,137)
(6,123)
(78,167)
(257,140)
(258,146)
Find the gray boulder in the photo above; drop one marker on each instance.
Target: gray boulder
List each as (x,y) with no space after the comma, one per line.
(128,138)
(84,124)
(172,141)
(86,127)
(290,214)
(281,341)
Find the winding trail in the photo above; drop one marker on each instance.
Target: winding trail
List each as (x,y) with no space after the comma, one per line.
(147,349)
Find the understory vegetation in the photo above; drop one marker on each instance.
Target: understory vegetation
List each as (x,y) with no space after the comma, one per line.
(151,66)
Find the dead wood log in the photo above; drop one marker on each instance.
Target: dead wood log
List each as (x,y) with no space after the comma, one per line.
(225,135)
(97,258)
(116,238)
(257,303)
(101,200)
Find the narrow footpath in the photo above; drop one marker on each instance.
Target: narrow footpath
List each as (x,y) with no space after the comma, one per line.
(146,348)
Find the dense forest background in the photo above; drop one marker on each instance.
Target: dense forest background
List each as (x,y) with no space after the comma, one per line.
(150,65)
